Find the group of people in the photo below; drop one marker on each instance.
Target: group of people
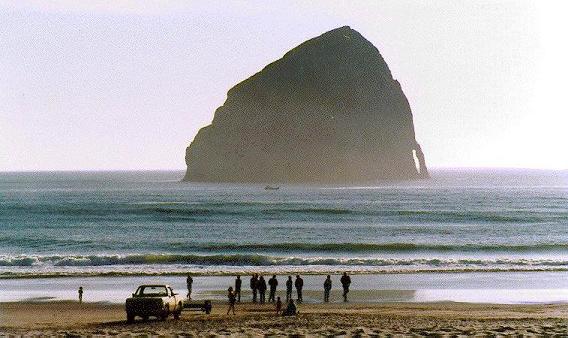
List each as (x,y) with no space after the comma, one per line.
(345,283)
(258,286)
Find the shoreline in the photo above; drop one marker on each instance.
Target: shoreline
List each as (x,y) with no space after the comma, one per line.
(441,318)
(487,287)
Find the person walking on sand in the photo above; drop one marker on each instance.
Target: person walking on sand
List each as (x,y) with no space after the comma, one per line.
(299,283)
(278,306)
(345,282)
(273,282)
(189,282)
(80,295)
(238,284)
(289,285)
(262,289)
(326,289)
(232,300)
(254,286)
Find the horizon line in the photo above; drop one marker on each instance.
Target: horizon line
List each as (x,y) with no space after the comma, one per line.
(183,169)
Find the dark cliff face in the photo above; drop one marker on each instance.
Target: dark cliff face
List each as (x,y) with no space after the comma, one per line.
(329,111)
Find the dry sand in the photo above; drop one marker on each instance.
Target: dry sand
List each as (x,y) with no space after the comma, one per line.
(404,319)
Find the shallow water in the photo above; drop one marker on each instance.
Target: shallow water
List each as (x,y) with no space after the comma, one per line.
(478,287)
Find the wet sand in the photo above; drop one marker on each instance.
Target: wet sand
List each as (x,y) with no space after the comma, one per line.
(472,287)
(71,318)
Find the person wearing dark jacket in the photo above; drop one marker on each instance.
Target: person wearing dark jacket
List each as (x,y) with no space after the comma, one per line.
(189,283)
(238,285)
(80,295)
(326,289)
(232,299)
(273,282)
(289,285)
(262,289)
(254,286)
(291,309)
(299,284)
(278,306)
(345,282)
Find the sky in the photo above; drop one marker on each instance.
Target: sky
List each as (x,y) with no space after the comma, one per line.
(112,85)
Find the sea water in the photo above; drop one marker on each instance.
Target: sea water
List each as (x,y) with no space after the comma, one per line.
(464,235)
(150,223)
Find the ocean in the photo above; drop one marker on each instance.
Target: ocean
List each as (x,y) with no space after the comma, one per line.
(149,223)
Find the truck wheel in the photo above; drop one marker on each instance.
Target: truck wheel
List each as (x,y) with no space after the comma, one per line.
(165,313)
(178,312)
(129,318)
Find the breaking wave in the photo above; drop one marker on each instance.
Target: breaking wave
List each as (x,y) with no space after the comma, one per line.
(262,260)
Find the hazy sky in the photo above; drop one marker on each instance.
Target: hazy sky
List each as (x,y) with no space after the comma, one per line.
(127,84)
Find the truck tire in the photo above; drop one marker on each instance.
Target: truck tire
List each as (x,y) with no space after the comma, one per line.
(165,314)
(129,318)
(178,311)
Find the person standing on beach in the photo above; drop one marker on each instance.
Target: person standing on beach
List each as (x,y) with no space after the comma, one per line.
(232,299)
(326,289)
(80,295)
(189,282)
(278,306)
(254,286)
(238,284)
(289,285)
(273,282)
(299,283)
(345,282)
(262,289)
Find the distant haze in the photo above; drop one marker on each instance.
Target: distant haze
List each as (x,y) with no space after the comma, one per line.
(89,85)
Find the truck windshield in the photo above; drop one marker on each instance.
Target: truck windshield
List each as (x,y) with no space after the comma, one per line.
(153,291)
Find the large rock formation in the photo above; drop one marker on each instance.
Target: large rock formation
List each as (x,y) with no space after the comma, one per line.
(329,111)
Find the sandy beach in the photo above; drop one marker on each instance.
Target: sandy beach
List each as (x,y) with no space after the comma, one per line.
(44,307)
(422,319)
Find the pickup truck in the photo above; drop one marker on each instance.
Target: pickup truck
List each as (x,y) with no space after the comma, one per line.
(153,300)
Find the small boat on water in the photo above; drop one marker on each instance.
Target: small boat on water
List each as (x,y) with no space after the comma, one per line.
(268,187)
